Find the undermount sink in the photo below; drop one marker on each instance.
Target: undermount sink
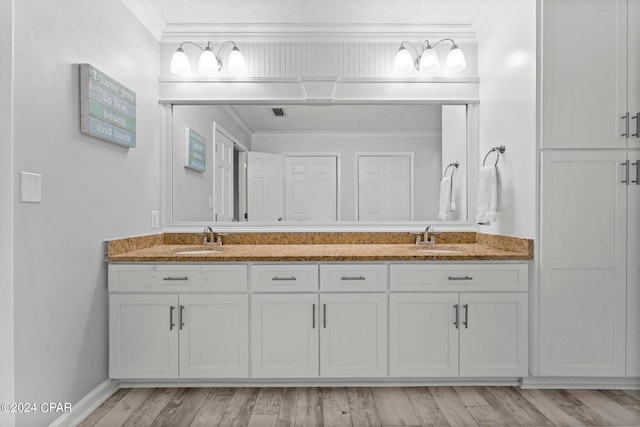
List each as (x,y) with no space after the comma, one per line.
(196,251)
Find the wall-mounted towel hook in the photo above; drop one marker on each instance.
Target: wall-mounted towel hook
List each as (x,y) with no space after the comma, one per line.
(453,165)
(499,150)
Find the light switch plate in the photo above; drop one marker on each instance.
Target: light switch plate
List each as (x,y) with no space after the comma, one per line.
(30,187)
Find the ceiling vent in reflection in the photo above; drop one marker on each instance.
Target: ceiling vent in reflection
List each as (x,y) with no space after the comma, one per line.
(278,111)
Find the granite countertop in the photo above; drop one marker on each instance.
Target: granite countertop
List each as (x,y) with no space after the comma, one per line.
(320,252)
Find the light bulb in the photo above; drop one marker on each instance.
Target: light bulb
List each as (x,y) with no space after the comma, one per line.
(403,62)
(455,60)
(429,60)
(180,63)
(237,64)
(208,63)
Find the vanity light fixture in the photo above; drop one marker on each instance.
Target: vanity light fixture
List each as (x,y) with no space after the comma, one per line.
(209,63)
(428,60)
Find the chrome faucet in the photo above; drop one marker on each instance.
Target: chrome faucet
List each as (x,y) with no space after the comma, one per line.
(212,238)
(427,237)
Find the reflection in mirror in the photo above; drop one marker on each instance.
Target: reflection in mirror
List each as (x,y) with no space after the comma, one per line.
(318,163)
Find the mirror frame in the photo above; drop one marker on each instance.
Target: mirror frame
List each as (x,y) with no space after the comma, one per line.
(169,225)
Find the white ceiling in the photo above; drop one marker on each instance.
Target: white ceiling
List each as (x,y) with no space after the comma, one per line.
(424,12)
(342,118)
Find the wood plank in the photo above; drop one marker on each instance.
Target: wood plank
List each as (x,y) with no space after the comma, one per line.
(633,393)
(103,409)
(261,420)
(606,407)
(125,408)
(480,410)
(309,407)
(633,408)
(268,401)
(513,407)
(182,408)
(550,410)
(287,413)
(452,407)
(335,407)
(561,397)
(362,407)
(470,396)
(393,407)
(212,409)
(620,397)
(425,407)
(151,408)
(240,407)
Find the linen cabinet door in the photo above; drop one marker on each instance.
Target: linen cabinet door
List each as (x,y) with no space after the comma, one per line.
(284,330)
(424,335)
(493,335)
(214,336)
(143,336)
(353,335)
(633,270)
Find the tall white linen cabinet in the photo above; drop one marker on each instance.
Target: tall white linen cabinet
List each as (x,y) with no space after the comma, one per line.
(589,313)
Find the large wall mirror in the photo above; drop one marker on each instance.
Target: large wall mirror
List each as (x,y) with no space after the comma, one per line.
(313,164)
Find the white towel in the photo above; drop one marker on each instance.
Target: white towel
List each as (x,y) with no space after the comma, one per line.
(447,198)
(487,195)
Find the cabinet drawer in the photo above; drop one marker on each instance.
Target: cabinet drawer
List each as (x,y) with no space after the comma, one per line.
(459,277)
(284,278)
(182,278)
(353,277)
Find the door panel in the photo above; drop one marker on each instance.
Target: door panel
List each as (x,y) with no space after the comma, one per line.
(384,188)
(311,188)
(265,187)
(223,176)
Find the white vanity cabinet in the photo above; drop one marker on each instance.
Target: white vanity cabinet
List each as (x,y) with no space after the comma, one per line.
(480,330)
(161,328)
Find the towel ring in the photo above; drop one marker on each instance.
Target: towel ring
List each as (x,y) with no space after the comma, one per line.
(498,150)
(454,165)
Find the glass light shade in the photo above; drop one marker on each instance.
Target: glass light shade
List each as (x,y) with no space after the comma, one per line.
(455,60)
(237,64)
(403,62)
(429,60)
(208,63)
(180,63)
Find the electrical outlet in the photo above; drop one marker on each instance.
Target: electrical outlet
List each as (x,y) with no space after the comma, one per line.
(155,219)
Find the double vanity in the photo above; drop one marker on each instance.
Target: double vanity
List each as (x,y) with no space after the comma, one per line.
(318,307)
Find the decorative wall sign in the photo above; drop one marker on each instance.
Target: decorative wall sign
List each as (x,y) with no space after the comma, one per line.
(107,108)
(195,150)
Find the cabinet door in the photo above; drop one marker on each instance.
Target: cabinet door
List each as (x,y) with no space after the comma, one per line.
(284,330)
(143,336)
(353,335)
(583,263)
(633,74)
(584,73)
(214,336)
(633,271)
(493,335)
(424,335)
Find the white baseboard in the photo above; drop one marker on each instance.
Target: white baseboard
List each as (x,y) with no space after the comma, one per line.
(87,404)
(622,383)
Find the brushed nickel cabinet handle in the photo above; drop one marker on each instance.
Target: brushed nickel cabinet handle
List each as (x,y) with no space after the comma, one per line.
(637,119)
(171,278)
(460,278)
(284,278)
(313,316)
(324,315)
(637,165)
(626,126)
(171,324)
(466,316)
(352,278)
(626,173)
(181,317)
(455,321)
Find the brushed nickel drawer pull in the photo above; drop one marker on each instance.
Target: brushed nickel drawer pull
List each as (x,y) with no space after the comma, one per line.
(460,278)
(637,165)
(181,317)
(284,278)
(170,278)
(466,316)
(637,119)
(626,127)
(455,321)
(324,314)
(626,174)
(352,278)
(313,316)
(171,324)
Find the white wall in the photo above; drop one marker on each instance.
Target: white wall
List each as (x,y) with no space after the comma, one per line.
(427,161)
(92,190)
(6,211)
(507,69)
(454,149)
(192,189)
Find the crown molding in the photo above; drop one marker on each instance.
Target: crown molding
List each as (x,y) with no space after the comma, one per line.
(260,33)
(147,15)
(354,134)
(489,16)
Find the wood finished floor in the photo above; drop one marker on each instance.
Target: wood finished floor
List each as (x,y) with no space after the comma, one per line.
(364,406)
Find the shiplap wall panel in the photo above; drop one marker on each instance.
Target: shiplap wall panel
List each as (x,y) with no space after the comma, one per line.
(309,59)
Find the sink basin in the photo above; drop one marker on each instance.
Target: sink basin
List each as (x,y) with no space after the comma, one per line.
(438,250)
(201,250)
